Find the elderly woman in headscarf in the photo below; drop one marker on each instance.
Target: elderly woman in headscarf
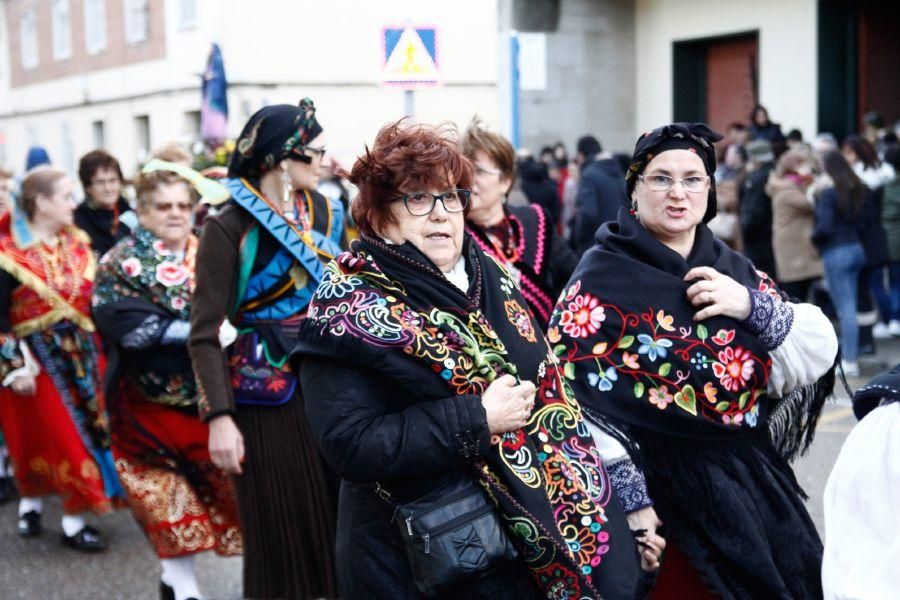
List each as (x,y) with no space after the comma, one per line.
(467,468)
(705,373)
(259,262)
(141,304)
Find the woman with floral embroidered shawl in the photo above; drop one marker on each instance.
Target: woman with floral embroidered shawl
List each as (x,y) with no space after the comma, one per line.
(142,301)
(422,367)
(709,377)
(52,407)
(259,262)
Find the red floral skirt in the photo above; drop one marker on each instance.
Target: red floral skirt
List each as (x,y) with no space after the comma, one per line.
(183,508)
(46,451)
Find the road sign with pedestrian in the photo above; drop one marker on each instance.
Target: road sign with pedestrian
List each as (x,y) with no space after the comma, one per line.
(410,57)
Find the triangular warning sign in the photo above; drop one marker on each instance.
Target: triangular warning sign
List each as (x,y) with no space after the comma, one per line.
(410,61)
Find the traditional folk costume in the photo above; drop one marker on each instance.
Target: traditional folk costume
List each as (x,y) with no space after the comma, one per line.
(538,259)
(142,302)
(861,499)
(259,270)
(710,411)
(58,440)
(396,358)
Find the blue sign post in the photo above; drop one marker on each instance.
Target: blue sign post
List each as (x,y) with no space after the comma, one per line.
(410,60)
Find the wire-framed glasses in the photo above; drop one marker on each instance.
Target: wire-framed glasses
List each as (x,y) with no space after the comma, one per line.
(664,183)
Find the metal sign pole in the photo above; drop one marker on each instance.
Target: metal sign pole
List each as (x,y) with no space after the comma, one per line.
(409,103)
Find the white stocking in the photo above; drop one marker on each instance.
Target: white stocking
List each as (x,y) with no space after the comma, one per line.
(30,504)
(180,574)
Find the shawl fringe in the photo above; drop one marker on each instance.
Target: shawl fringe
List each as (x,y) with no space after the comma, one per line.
(793,419)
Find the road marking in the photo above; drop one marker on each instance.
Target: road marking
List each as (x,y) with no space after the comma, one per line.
(838,414)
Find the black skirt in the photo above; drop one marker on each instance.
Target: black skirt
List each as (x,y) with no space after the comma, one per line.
(288,503)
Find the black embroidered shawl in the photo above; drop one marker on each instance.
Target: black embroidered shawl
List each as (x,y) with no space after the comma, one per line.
(690,401)
(389,308)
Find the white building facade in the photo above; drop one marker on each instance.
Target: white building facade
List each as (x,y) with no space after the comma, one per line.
(124,75)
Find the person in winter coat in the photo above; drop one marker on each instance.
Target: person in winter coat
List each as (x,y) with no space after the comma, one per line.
(761,128)
(890,220)
(601,193)
(535,183)
(423,374)
(756,207)
(797,262)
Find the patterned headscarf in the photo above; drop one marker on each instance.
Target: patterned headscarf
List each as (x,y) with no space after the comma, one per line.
(271,135)
(696,137)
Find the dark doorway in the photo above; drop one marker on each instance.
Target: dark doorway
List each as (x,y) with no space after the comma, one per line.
(716,79)
(859,62)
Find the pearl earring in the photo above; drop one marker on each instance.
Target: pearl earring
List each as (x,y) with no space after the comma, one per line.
(288,187)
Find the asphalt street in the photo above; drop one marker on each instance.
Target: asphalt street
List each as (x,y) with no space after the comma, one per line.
(43,569)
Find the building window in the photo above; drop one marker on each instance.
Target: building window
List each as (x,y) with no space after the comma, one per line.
(95,26)
(137,21)
(142,137)
(187,14)
(98,133)
(62,30)
(28,37)
(192,124)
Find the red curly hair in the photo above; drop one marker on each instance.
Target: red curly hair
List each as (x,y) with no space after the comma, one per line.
(405,158)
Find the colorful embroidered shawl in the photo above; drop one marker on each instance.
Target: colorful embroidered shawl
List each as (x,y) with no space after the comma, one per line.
(38,304)
(389,306)
(141,288)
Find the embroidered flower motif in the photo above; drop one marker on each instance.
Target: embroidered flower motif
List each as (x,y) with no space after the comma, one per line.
(520,319)
(710,391)
(660,397)
(553,335)
(752,416)
(336,284)
(630,359)
(733,419)
(161,249)
(583,316)
(570,293)
(132,267)
(653,348)
(734,368)
(506,285)
(603,380)
(178,303)
(665,321)
(170,274)
(699,360)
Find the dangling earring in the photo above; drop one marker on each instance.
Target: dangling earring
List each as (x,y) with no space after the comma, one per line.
(288,195)
(633,209)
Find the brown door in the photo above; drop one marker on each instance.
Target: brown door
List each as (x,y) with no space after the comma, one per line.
(731,75)
(879,60)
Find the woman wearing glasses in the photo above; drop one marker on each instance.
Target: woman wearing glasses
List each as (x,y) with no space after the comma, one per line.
(521,237)
(706,373)
(259,262)
(142,303)
(424,374)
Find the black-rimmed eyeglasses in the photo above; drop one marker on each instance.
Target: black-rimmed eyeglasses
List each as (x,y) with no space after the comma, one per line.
(420,204)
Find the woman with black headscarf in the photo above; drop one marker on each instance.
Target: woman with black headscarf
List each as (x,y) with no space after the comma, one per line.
(258,264)
(708,376)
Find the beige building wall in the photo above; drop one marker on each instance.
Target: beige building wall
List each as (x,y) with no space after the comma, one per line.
(787,53)
(274,51)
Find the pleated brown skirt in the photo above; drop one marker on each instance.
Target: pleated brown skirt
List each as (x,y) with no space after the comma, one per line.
(287,500)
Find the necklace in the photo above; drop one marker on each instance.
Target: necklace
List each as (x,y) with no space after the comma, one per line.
(507,244)
(53,257)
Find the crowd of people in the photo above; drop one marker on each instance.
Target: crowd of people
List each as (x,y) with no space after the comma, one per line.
(453,370)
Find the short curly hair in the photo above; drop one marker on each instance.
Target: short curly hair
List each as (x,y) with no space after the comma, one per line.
(405,157)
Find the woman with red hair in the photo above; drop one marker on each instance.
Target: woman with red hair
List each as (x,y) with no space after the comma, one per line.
(431,390)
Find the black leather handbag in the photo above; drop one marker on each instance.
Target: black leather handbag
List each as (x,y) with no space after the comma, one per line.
(452,535)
